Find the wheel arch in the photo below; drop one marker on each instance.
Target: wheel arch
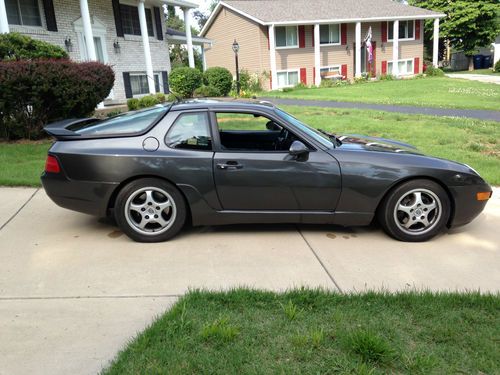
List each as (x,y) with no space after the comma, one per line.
(423,177)
(116,191)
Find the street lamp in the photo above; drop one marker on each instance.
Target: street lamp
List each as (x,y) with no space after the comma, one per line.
(236,48)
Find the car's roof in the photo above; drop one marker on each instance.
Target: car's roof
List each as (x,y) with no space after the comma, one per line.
(227,103)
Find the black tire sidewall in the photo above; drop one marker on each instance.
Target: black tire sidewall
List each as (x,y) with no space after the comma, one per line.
(386,216)
(127,190)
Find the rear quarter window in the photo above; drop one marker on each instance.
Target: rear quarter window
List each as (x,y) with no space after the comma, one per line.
(126,123)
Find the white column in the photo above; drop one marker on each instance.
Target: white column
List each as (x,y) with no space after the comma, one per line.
(145,44)
(395,49)
(87,30)
(317,56)
(272,53)
(4,22)
(435,49)
(358,50)
(203,57)
(187,23)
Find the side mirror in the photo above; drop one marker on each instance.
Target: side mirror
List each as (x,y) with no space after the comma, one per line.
(298,148)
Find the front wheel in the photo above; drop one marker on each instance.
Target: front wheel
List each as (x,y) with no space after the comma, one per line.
(415,211)
(150,210)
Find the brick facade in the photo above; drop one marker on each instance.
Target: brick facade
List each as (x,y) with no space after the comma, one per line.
(131,56)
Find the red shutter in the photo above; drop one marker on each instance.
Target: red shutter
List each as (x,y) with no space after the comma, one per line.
(383,26)
(417,29)
(343,34)
(416,65)
(384,67)
(314,75)
(303,76)
(302,36)
(373,64)
(271,80)
(344,71)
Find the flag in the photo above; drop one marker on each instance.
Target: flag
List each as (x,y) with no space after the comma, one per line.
(368,44)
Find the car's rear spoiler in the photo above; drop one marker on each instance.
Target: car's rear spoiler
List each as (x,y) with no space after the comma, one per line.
(60,131)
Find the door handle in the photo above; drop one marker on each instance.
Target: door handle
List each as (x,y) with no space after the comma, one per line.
(229,165)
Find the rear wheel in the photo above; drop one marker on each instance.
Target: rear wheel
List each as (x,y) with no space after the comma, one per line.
(415,211)
(150,210)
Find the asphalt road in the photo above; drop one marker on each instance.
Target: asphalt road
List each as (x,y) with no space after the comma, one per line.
(74,289)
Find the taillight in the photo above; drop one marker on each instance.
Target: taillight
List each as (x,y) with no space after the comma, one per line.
(52,165)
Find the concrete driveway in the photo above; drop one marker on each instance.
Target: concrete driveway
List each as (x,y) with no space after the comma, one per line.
(476,77)
(74,289)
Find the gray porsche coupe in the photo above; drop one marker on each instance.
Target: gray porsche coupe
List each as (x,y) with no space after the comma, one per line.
(223,162)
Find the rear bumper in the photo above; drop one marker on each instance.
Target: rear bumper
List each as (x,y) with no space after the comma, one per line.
(87,197)
(466,205)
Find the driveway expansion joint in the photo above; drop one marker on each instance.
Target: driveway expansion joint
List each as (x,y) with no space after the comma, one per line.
(26,298)
(20,209)
(320,261)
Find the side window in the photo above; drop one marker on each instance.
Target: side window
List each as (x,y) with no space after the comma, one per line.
(252,132)
(190,131)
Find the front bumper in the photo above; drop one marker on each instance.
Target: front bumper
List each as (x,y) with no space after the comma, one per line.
(466,206)
(83,196)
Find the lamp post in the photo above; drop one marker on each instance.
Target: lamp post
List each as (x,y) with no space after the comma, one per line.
(236,48)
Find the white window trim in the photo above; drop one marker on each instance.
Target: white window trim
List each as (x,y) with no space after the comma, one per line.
(160,80)
(146,6)
(43,25)
(405,60)
(340,36)
(401,39)
(339,67)
(287,71)
(287,47)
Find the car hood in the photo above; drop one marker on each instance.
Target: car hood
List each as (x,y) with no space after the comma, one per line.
(362,142)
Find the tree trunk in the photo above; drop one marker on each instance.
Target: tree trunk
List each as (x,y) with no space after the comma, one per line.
(471,63)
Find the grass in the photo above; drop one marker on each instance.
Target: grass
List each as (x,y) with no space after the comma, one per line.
(488,72)
(474,142)
(248,332)
(429,92)
(21,164)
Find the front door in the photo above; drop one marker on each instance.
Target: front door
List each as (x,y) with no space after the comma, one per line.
(366,65)
(253,169)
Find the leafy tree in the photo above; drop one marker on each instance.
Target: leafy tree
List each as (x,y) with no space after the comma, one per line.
(202,17)
(468,25)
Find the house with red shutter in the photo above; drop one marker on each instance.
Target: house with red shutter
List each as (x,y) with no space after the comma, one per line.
(307,41)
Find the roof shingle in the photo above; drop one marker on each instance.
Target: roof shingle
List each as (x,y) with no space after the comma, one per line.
(276,11)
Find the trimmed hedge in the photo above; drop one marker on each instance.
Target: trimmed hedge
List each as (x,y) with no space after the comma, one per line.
(219,78)
(183,81)
(15,46)
(36,92)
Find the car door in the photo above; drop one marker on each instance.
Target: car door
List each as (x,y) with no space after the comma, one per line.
(251,178)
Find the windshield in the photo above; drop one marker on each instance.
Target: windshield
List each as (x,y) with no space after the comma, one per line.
(126,123)
(318,136)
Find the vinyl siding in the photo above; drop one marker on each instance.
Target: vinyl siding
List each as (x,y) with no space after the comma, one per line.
(252,38)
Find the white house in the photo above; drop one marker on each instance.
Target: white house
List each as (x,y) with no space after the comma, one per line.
(127,34)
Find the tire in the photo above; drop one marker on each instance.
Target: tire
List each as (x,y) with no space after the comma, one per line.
(150,210)
(415,211)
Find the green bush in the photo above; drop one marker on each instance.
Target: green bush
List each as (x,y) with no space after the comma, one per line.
(36,92)
(219,78)
(184,80)
(497,67)
(287,89)
(434,72)
(133,104)
(387,77)
(206,92)
(148,101)
(15,46)
(249,82)
(161,97)
(300,85)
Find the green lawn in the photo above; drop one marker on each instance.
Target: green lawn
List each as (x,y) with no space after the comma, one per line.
(22,163)
(474,142)
(316,332)
(429,92)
